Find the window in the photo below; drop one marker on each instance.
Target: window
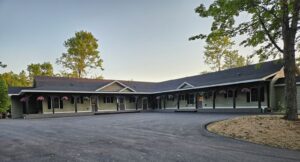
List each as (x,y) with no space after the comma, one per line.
(79,100)
(170,98)
(229,94)
(131,99)
(108,99)
(253,95)
(57,103)
(182,97)
(191,99)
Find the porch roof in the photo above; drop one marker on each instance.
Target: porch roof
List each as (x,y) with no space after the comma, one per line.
(246,74)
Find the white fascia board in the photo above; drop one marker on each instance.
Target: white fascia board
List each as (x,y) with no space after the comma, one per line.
(125,86)
(283,84)
(184,83)
(214,85)
(92,92)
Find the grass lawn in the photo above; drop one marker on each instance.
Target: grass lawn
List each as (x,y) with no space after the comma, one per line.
(263,129)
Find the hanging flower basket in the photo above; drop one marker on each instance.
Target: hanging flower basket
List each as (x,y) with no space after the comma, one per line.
(245,90)
(170,96)
(222,92)
(65,98)
(24,99)
(86,98)
(40,98)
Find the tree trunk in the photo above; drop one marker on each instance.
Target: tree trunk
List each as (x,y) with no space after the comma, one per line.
(289,35)
(290,82)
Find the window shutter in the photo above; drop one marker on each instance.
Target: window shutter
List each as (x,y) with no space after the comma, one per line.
(49,102)
(72,100)
(112,99)
(262,94)
(248,96)
(61,104)
(81,100)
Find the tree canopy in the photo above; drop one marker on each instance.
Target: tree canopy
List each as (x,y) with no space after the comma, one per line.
(44,69)
(4,100)
(272,29)
(82,53)
(219,54)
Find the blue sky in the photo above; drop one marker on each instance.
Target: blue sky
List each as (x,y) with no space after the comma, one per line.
(139,39)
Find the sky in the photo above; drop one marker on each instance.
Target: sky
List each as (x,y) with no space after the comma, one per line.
(138,40)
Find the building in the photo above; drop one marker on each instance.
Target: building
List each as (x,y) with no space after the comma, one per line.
(252,88)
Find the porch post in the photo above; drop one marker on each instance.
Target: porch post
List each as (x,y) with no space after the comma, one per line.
(136,102)
(214,99)
(196,100)
(165,96)
(234,98)
(268,95)
(178,101)
(91,104)
(259,96)
(51,103)
(117,102)
(75,103)
(27,106)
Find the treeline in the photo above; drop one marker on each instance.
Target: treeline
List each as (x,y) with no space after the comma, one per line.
(82,55)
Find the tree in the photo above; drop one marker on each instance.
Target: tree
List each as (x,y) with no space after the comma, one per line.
(4,100)
(233,59)
(2,65)
(271,23)
(219,55)
(81,54)
(44,69)
(16,80)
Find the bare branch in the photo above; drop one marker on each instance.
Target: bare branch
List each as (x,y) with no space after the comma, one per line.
(268,34)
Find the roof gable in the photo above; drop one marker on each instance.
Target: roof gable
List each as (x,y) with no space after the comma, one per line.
(185,85)
(115,86)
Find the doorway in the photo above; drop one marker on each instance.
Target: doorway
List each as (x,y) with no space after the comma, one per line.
(145,103)
(121,103)
(94,104)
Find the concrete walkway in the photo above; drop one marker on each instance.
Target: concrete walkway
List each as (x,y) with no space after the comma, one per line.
(128,137)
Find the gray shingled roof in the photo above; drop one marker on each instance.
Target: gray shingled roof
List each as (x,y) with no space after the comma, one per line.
(246,73)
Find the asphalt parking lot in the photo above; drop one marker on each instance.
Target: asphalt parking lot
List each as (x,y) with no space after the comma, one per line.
(128,137)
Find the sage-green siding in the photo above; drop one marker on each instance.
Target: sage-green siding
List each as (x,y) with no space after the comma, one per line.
(280,100)
(16,108)
(241,101)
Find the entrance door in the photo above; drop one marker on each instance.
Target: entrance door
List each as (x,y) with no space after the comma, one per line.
(200,101)
(145,103)
(122,103)
(94,104)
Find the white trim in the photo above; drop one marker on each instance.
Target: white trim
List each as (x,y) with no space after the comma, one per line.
(184,83)
(283,84)
(111,83)
(237,107)
(268,76)
(125,89)
(187,108)
(213,85)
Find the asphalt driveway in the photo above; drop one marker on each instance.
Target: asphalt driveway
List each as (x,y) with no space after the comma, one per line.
(128,137)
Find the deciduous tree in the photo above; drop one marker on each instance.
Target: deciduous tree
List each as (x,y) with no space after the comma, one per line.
(82,53)
(4,100)
(44,69)
(272,28)
(219,54)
